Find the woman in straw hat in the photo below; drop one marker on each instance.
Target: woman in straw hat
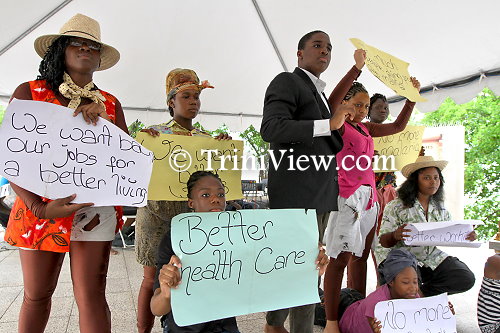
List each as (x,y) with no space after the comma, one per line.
(70,59)
(183,88)
(421,200)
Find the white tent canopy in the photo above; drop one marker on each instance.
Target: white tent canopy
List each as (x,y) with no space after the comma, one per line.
(237,45)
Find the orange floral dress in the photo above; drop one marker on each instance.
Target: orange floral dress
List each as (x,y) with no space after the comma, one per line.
(26,230)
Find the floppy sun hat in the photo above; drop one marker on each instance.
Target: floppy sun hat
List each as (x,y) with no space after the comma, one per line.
(84,27)
(422,162)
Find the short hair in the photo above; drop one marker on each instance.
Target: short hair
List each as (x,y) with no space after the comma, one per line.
(355,88)
(373,99)
(306,37)
(196,176)
(408,191)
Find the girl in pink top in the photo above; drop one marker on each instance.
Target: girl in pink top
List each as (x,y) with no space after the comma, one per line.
(350,230)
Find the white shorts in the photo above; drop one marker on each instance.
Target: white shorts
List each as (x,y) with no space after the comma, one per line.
(349,226)
(104,231)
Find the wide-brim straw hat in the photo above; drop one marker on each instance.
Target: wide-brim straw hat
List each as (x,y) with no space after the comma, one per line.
(84,27)
(422,162)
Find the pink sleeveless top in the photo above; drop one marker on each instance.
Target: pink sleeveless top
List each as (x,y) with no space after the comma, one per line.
(354,162)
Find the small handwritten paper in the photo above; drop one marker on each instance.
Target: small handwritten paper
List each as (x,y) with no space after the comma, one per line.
(53,154)
(236,263)
(450,233)
(403,146)
(426,315)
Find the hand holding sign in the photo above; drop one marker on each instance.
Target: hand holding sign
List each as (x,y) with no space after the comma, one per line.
(393,72)
(401,233)
(48,151)
(359,58)
(63,207)
(451,233)
(426,314)
(235,263)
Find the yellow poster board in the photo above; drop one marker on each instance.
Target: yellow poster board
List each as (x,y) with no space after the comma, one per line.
(176,157)
(393,72)
(404,146)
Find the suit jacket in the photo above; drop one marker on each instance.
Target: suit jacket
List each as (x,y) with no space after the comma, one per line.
(291,105)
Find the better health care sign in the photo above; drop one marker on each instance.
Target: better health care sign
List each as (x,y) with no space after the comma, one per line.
(236,263)
(46,150)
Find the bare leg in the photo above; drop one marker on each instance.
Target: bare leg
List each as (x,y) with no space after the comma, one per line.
(332,283)
(89,268)
(145,318)
(357,266)
(40,274)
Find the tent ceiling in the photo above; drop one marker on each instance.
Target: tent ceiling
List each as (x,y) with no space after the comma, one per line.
(226,43)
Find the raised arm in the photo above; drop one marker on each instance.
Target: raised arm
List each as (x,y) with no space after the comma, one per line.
(345,84)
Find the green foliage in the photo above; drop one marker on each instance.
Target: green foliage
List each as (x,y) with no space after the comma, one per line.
(481,119)
(135,127)
(258,145)
(2,112)
(223,129)
(253,138)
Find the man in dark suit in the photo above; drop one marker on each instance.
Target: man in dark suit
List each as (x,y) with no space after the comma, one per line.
(299,125)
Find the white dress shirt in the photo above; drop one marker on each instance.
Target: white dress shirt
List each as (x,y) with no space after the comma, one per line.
(322,126)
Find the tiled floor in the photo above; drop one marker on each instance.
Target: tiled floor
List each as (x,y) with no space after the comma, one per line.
(125,277)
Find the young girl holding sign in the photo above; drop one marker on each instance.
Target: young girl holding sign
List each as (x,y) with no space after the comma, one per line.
(44,229)
(205,194)
(350,230)
(183,90)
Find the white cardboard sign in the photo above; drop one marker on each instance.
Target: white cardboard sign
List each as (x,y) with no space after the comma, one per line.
(47,151)
(448,233)
(425,314)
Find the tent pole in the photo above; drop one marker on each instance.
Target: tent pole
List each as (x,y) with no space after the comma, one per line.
(270,35)
(34,26)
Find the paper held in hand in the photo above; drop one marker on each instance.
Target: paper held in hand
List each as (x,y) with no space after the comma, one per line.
(449,233)
(53,154)
(425,314)
(393,72)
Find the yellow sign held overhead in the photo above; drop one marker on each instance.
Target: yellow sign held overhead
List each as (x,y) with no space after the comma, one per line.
(393,72)
(176,157)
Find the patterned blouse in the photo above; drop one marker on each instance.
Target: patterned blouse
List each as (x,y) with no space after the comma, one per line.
(395,215)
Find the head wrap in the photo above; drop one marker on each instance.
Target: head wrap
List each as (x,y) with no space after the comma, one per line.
(180,79)
(396,261)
